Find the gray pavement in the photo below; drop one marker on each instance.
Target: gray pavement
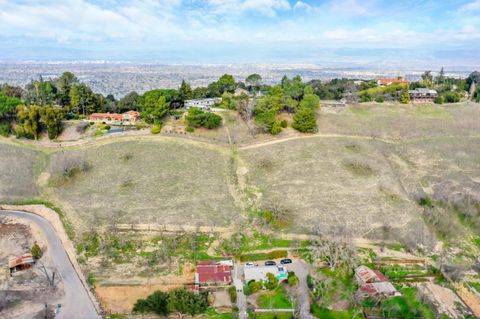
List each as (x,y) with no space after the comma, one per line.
(76,302)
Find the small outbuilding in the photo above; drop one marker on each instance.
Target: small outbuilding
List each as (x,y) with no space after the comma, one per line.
(20,263)
(373,284)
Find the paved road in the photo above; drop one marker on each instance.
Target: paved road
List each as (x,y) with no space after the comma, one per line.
(301,269)
(76,303)
(241,298)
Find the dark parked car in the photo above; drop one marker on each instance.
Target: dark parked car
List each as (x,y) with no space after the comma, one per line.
(270,263)
(286,261)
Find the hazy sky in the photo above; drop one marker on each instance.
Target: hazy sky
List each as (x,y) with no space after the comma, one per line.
(242,30)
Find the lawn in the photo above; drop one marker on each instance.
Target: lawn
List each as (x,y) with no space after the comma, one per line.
(324,313)
(275,299)
(213,314)
(276,315)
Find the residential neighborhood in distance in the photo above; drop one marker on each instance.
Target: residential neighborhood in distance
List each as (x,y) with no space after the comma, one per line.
(241,159)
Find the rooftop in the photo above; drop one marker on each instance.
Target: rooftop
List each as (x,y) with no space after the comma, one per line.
(211,272)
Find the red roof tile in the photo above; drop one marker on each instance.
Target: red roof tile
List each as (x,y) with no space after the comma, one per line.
(209,272)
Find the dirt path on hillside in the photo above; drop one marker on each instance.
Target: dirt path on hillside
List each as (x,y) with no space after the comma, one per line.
(292,138)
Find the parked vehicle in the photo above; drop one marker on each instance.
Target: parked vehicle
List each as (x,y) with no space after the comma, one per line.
(286,261)
(250,264)
(270,263)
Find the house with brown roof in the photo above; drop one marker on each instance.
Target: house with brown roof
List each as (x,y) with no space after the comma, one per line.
(212,273)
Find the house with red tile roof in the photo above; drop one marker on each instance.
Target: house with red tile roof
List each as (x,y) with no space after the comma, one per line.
(212,273)
(130,117)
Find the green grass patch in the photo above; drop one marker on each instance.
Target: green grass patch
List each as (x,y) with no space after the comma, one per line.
(264,256)
(476,241)
(263,242)
(211,313)
(415,304)
(63,218)
(272,315)
(324,313)
(474,286)
(396,246)
(276,299)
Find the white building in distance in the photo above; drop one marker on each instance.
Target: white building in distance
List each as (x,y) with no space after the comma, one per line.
(204,104)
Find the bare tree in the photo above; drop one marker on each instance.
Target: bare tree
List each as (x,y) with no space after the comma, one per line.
(334,248)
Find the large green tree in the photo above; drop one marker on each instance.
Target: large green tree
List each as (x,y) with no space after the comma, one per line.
(227,83)
(156,303)
(52,117)
(185,91)
(8,106)
(82,99)
(29,118)
(253,81)
(64,85)
(155,109)
(187,302)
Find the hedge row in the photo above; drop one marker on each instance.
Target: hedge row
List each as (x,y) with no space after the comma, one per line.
(264,256)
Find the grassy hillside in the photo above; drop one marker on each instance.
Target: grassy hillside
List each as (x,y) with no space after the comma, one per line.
(162,182)
(366,169)
(331,181)
(17,170)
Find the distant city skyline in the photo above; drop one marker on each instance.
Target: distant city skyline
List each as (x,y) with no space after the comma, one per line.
(392,34)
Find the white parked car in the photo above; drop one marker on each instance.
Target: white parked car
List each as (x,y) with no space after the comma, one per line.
(250,264)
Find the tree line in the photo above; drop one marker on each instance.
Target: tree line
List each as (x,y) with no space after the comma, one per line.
(45,103)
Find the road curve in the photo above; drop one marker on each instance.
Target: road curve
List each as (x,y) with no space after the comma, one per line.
(76,303)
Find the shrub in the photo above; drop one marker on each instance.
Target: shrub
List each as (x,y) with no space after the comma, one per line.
(254,286)
(310,282)
(156,129)
(305,121)
(283,123)
(91,279)
(66,167)
(247,290)
(233,294)
(4,129)
(380,99)
(292,279)
(189,129)
(276,129)
(439,100)
(198,118)
(272,281)
(36,251)
(451,97)
(425,202)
